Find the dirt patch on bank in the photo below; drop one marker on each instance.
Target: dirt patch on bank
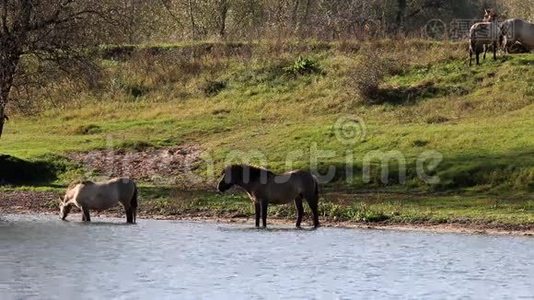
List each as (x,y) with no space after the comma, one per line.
(28,201)
(164,166)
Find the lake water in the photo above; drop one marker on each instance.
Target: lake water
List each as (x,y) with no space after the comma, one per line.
(44,258)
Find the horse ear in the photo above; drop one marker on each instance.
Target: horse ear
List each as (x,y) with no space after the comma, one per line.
(60,199)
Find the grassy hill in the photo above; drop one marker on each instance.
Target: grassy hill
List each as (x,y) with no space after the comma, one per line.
(412,97)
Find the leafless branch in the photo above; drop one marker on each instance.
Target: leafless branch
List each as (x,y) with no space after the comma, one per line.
(4,16)
(171,13)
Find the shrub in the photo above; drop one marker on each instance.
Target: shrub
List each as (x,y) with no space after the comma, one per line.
(365,79)
(371,69)
(137,91)
(212,88)
(303,66)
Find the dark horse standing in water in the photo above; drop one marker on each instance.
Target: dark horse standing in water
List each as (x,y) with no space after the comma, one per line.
(264,187)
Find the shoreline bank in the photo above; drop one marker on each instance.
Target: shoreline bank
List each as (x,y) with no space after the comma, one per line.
(238,211)
(457,228)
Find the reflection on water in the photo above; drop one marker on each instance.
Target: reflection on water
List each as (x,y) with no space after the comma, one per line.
(42,257)
(268,229)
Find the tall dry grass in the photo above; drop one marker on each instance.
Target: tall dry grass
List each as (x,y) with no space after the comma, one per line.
(203,69)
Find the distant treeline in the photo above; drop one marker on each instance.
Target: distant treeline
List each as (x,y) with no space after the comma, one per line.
(172,20)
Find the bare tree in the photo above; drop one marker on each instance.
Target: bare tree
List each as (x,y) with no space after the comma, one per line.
(49,31)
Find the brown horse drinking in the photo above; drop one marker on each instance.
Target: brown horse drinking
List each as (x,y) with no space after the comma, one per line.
(264,188)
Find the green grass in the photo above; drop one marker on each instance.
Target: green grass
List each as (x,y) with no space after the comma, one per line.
(478,118)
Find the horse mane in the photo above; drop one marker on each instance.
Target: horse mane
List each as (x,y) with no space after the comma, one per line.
(82,182)
(255,173)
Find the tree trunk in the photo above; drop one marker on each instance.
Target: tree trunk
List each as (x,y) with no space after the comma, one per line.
(2,119)
(192,19)
(9,59)
(401,12)
(294,15)
(4,95)
(305,18)
(223,15)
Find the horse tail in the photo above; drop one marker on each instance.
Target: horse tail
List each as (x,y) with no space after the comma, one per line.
(316,189)
(314,205)
(133,203)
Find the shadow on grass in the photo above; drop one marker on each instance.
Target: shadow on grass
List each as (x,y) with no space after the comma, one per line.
(405,95)
(507,172)
(18,171)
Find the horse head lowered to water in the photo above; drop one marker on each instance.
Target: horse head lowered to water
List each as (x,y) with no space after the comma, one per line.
(265,187)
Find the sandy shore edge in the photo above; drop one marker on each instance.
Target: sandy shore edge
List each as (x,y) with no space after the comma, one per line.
(467,228)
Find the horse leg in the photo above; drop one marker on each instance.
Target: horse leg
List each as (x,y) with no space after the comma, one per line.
(133,204)
(129,215)
(494,50)
(85,215)
(300,210)
(257,207)
(264,206)
(313,203)
(485,51)
(470,57)
(504,45)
